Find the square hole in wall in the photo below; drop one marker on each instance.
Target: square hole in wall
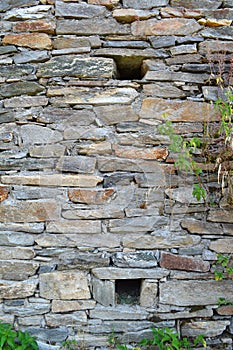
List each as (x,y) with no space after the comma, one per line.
(128,291)
(129,68)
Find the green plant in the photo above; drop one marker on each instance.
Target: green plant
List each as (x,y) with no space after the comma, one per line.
(222,268)
(167,339)
(223,301)
(68,344)
(15,340)
(184,150)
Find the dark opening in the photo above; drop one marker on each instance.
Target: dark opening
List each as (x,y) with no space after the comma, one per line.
(129,68)
(128,291)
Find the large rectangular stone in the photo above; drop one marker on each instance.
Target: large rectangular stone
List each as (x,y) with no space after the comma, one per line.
(196,4)
(144,4)
(133,225)
(69,319)
(77,226)
(64,285)
(25,101)
(188,293)
(159,240)
(53,180)
(115,273)
(75,66)
(76,164)
(111,115)
(60,306)
(171,26)
(77,96)
(77,240)
(178,111)
(39,41)
(33,211)
(66,117)
(20,253)
(17,270)
(17,290)
(220,216)
(91,26)
(6,5)
(82,10)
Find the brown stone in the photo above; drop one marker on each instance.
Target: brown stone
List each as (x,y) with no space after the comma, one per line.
(53,180)
(111,115)
(32,40)
(177,111)
(176,262)
(4,191)
(130,15)
(226,310)
(171,12)
(171,26)
(223,245)
(108,3)
(146,153)
(90,196)
(35,26)
(200,227)
(30,212)
(220,216)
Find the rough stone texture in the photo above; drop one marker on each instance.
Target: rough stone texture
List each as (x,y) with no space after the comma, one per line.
(53,180)
(34,41)
(77,67)
(90,196)
(93,211)
(209,328)
(17,290)
(33,211)
(177,111)
(206,293)
(176,26)
(171,261)
(64,285)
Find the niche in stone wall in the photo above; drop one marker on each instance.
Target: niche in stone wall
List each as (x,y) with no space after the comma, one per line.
(129,68)
(128,291)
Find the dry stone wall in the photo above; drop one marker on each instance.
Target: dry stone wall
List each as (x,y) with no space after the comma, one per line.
(98,231)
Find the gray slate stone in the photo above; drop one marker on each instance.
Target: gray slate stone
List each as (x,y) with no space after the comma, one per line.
(81,260)
(103,292)
(16,71)
(143,259)
(36,134)
(49,335)
(76,164)
(19,88)
(77,10)
(185,293)
(9,4)
(31,56)
(196,4)
(91,26)
(16,239)
(144,4)
(17,270)
(7,49)
(32,309)
(78,67)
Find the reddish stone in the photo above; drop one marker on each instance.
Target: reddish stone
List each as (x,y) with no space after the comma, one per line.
(4,191)
(35,26)
(226,310)
(32,40)
(176,262)
(147,153)
(90,196)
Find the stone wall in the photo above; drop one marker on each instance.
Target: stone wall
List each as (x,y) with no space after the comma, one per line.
(98,231)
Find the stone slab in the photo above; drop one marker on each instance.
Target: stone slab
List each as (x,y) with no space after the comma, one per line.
(17,290)
(64,285)
(53,180)
(114,273)
(77,226)
(206,292)
(75,66)
(34,211)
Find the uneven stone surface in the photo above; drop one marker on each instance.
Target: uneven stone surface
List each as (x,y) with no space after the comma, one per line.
(99,228)
(34,41)
(77,67)
(33,211)
(64,285)
(206,293)
(171,261)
